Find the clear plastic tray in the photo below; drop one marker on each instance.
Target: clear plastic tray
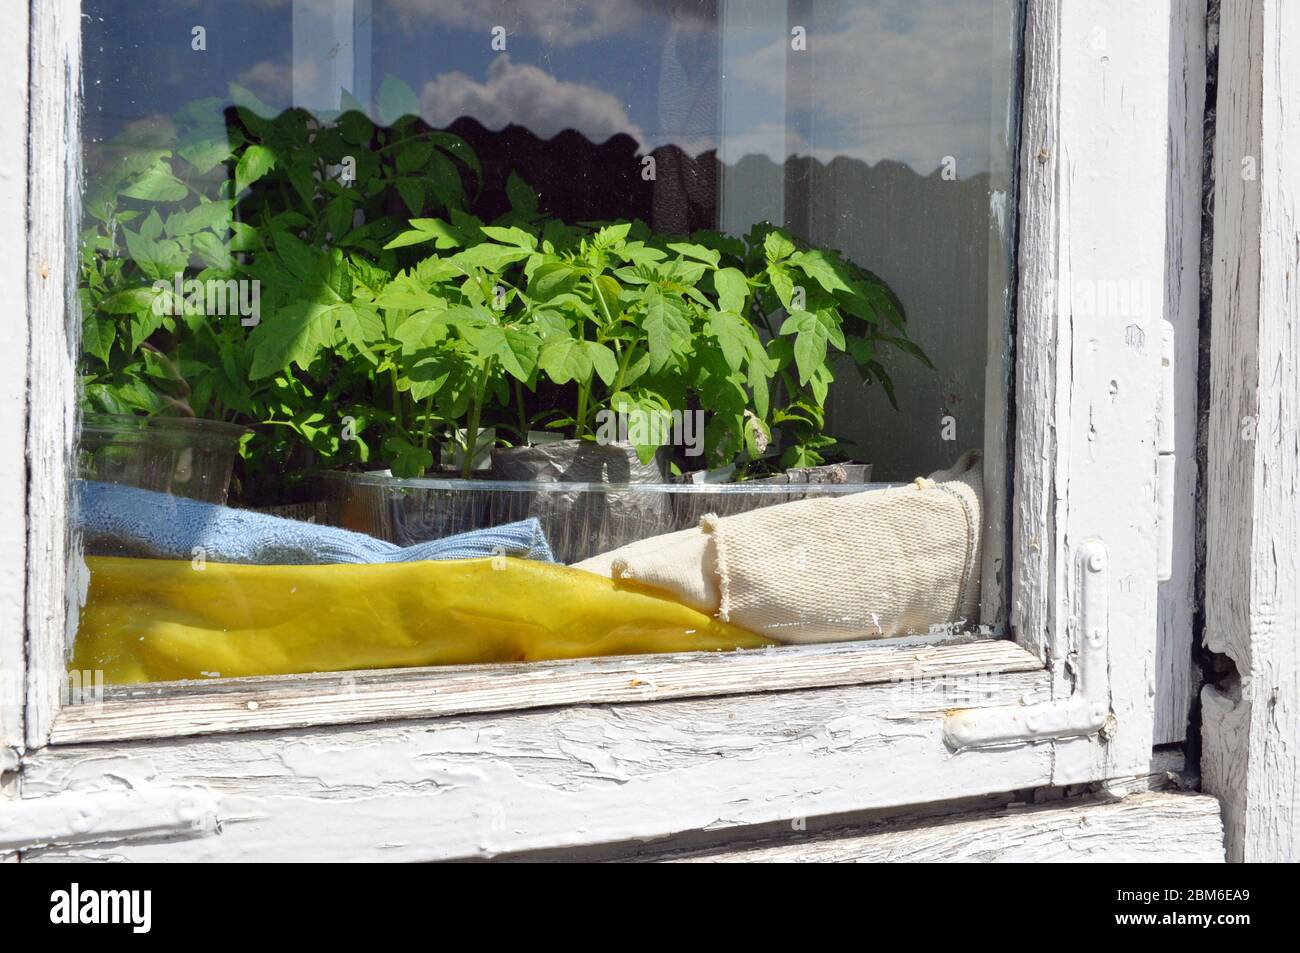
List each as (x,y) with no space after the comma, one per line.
(580,519)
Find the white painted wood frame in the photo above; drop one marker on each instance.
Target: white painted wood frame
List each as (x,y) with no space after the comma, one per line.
(1175,666)
(1150,828)
(14,276)
(728,740)
(1251,717)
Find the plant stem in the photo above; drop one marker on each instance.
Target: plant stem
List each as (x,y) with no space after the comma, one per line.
(623,365)
(519,403)
(424,425)
(584,394)
(475,416)
(397,397)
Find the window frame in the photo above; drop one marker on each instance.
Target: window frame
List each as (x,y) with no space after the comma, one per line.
(866,728)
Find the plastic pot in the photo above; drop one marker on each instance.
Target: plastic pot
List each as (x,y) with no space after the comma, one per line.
(183,456)
(587,519)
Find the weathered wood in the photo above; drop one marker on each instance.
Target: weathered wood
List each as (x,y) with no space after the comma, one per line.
(481,785)
(1174,667)
(1252,590)
(1004,183)
(1033,544)
(1095,152)
(13,384)
(1112,171)
(55,339)
(554,777)
(191,708)
(1144,828)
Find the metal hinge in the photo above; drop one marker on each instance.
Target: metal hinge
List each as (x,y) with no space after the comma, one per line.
(1086,709)
(70,818)
(1165,426)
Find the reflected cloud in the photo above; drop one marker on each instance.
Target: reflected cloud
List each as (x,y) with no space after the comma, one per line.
(893,79)
(527,96)
(274,80)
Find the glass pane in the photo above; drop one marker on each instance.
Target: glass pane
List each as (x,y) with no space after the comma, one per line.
(429,332)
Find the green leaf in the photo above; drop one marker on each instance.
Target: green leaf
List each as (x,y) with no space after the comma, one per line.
(213,252)
(782,284)
(510,236)
(143,324)
(244,237)
(396,100)
(488,256)
(429,230)
(206,154)
(698,252)
(155,259)
(666,326)
(255,163)
(777,247)
(608,291)
(733,334)
(516,349)
(152,227)
(552,279)
(820,382)
(907,347)
(212,215)
(732,289)
(97,337)
(863,351)
(873,302)
(409,461)
(292,335)
(412,193)
(603,360)
(613,236)
(566,359)
(338,218)
(757,380)
(879,372)
(521,195)
(423,329)
(296,255)
(157,185)
(823,269)
(303,182)
(413,156)
(359,325)
(829,319)
(809,354)
(129,301)
(356,128)
(432,270)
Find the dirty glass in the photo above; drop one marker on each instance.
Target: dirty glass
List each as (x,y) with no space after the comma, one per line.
(426,332)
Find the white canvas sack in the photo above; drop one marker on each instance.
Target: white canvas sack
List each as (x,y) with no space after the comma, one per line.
(868,565)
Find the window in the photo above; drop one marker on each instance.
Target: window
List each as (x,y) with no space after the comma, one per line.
(497,757)
(394,312)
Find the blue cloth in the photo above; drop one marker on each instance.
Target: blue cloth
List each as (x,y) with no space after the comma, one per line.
(126,520)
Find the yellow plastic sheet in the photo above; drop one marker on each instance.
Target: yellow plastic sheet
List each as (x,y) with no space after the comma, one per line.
(157,620)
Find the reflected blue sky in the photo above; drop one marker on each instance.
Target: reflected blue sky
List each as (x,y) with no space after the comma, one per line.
(908,80)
